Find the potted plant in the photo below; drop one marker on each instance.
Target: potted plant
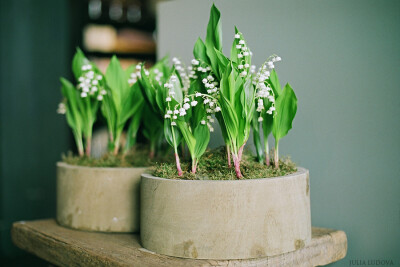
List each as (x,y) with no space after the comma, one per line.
(190,213)
(100,195)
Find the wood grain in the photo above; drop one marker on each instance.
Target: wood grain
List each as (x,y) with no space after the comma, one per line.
(65,247)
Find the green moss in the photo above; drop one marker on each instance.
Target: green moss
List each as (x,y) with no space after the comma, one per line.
(137,158)
(213,166)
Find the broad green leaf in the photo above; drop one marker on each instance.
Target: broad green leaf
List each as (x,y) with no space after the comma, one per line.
(230,119)
(187,136)
(132,130)
(222,62)
(109,112)
(202,137)
(170,132)
(214,38)
(148,90)
(214,31)
(132,103)
(152,123)
(117,82)
(200,51)
(273,81)
(286,107)
(77,62)
(74,117)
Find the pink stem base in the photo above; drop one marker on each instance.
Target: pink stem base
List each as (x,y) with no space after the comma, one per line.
(236,163)
(178,165)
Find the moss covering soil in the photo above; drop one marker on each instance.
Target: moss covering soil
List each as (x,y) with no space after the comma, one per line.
(213,165)
(136,158)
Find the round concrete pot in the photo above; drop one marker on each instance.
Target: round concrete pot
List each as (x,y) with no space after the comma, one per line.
(238,219)
(98,199)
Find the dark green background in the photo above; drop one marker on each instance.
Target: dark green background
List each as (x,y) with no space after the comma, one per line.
(36,48)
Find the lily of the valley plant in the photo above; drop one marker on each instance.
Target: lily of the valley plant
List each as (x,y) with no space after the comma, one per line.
(81,102)
(175,97)
(239,92)
(118,94)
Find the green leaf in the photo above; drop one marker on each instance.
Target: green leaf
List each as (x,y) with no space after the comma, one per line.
(77,62)
(230,118)
(286,107)
(133,103)
(222,62)
(200,51)
(214,38)
(148,90)
(202,137)
(152,124)
(187,136)
(273,81)
(117,82)
(132,130)
(170,132)
(214,31)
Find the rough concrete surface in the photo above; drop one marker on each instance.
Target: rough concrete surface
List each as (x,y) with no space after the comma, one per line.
(239,219)
(98,199)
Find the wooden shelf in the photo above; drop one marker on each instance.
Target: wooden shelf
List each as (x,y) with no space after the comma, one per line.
(66,247)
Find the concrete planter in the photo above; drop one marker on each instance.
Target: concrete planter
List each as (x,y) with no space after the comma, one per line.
(98,199)
(238,219)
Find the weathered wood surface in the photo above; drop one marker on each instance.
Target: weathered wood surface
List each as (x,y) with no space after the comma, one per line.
(66,247)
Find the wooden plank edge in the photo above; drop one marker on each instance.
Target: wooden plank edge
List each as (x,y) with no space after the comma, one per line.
(53,250)
(327,246)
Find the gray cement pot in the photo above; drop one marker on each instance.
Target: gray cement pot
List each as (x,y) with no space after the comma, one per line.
(98,199)
(239,219)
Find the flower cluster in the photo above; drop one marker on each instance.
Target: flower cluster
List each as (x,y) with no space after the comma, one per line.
(182,73)
(90,83)
(263,89)
(62,108)
(211,84)
(243,55)
(180,108)
(133,77)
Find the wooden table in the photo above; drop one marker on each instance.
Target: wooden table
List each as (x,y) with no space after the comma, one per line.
(66,247)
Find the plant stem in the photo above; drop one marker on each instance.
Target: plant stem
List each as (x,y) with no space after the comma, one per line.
(266,152)
(276,152)
(194,166)
(89,126)
(88,145)
(116,145)
(228,151)
(240,153)
(236,163)
(152,149)
(178,164)
(79,144)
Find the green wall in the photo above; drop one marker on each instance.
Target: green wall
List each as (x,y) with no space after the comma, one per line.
(342,58)
(35,50)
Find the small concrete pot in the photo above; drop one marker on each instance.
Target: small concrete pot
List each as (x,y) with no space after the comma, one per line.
(98,199)
(240,219)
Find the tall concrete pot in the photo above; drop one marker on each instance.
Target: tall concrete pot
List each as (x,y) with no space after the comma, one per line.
(239,219)
(98,199)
